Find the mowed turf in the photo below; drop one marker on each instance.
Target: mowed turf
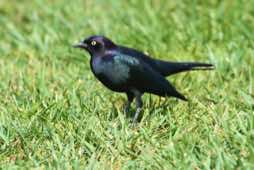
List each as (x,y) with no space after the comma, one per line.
(55,114)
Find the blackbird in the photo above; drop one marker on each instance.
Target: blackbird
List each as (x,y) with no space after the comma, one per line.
(130,71)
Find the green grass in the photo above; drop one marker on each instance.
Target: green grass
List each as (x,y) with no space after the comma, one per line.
(55,114)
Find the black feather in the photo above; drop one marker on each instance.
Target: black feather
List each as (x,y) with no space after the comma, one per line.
(166,68)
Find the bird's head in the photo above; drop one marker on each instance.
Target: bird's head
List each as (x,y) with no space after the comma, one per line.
(96,45)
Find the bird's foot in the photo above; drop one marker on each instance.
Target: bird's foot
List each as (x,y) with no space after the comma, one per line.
(136,115)
(127,108)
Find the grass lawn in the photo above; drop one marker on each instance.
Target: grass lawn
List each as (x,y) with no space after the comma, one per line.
(55,114)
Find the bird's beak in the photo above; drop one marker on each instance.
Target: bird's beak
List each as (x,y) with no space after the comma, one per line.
(80,45)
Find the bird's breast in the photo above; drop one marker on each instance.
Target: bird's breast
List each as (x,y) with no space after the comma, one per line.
(110,72)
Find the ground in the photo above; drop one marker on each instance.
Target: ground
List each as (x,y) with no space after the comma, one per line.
(55,114)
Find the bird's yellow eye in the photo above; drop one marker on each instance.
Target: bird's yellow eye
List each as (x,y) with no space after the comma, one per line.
(93,43)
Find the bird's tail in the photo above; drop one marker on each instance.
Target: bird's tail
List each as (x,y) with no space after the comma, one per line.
(180,96)
(169,68)
(171,91)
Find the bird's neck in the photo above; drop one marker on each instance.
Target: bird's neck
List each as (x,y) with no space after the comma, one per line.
(104,53)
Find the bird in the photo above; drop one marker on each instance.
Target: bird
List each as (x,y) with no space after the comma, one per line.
(130,71)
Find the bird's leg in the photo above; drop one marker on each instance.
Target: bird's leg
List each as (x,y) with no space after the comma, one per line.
(130,98)
(139,105)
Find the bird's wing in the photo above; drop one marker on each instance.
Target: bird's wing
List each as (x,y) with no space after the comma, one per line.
(166,68)
(144,78)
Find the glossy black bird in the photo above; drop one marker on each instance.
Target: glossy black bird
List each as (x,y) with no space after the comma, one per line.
(127,70)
